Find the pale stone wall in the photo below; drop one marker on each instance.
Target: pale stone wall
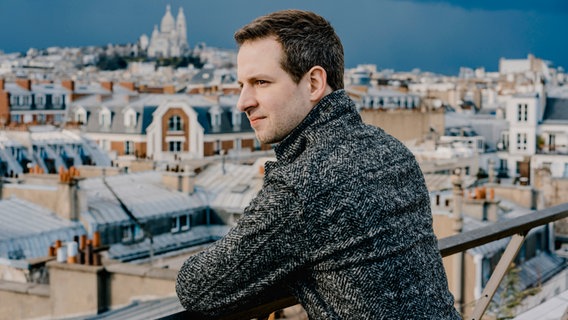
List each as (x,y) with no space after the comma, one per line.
(23,300)
(128,282)
(405,125)
(77,290)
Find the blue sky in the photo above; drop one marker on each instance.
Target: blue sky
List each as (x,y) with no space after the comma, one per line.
(432,35)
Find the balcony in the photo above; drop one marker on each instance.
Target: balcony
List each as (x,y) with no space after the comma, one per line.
(516,228)
(553,149)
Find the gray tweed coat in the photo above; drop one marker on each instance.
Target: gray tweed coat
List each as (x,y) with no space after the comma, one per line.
(343,223)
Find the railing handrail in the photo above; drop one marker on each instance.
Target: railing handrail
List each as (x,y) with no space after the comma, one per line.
(447,246)
(501,229)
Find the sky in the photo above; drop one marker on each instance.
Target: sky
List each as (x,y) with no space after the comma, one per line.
(432,35)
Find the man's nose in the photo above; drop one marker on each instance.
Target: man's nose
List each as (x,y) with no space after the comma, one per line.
(247,99)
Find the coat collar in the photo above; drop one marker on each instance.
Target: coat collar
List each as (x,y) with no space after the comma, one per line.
(331,107)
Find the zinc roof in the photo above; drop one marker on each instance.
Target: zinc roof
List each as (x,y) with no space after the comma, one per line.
(149,309)
(142,193)
(27,230)
(231,188)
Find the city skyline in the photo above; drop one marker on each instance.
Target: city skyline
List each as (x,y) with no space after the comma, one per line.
(432,35)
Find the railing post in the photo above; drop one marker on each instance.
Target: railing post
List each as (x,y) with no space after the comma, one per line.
(457,217)
(502,267)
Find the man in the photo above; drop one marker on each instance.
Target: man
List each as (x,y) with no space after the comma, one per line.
(343,220)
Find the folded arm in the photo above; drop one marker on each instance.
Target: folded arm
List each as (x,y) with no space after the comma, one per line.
(251,264)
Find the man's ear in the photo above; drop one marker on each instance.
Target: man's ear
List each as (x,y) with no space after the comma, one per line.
(318,83)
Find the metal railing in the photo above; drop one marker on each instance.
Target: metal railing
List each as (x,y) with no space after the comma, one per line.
(517,228)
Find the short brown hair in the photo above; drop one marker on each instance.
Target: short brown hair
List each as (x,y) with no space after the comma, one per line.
(307,39)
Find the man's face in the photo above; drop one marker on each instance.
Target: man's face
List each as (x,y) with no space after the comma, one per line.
(273,102)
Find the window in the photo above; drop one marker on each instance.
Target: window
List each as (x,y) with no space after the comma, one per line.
(40,100)
(522,112)
(14,100)
(521,141)
(127,235)
(552,142)
(128,147)
(565,175)
(58,118)
(175,123)
(174,146)
(217,146)
(180,223)
(130,118)
(104,118)
(56,100)
(236,120)
(215,118)
(131,233)
(15,118)
(81,116)
(184,222)
(503,166)
(105,145)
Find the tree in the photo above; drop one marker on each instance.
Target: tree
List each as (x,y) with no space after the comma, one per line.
(511,295)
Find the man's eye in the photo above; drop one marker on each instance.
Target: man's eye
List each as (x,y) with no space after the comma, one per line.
(261,82)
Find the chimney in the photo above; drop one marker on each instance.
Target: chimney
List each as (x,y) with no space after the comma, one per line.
(169,89)
(107,85)
(68,84)
(491,171)
(4,107)
(70,199)
(2,81)
(179,181)
(128,85)
(24,83)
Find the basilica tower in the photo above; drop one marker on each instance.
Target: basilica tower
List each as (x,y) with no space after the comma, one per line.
(170,40)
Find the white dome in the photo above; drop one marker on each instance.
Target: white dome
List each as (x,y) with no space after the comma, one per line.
(168,22)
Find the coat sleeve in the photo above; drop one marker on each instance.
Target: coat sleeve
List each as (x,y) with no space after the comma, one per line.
(252,262)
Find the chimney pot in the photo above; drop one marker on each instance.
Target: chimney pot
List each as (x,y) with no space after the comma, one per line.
(24,83)
(83,242)
(107,85)
(61,254)
(96,239)
(97,259)
(68,84)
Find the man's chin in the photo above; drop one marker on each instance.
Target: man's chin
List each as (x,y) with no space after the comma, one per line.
(267,140)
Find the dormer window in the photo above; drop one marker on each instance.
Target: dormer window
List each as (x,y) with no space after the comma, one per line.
(236,119)
(175,123)
(104,118)
(56,100)
(215,118)
(181,223)
(81,116)
(130,118)
(40,100)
